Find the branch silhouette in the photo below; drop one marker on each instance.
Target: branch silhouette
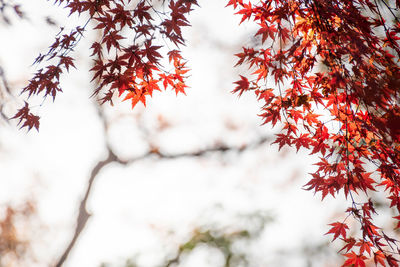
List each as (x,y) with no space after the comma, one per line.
(84,215)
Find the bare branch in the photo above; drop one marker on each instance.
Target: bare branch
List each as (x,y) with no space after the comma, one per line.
(84,215)
(222,148)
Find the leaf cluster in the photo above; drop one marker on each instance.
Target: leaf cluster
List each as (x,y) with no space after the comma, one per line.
(334,72)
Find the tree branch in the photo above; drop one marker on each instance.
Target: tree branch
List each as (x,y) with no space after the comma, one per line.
(199,153)
(84,215)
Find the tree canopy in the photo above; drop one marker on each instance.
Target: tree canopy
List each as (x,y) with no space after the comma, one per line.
(326,72)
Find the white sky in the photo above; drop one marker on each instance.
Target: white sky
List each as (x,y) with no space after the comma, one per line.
(134,207)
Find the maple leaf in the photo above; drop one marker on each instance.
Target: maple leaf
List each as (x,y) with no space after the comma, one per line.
(27,117)
(67,62)
(141,12)
(262,72)
(379,258)
(167,80)
(174,55)
(107,98)
(365,246)
(282,140)
(150,86)
(179,87)
(97,49)
(235,3)
(242,85)
(135,96)
(392,262)
(112,39)
(350,242)
(302,141)
(151,52)
(266,31)
(338,229)
(354,260)
(246,12)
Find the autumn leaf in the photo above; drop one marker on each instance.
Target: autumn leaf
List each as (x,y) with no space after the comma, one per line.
(242,85)
(354,260)
(379,258)
(338,229)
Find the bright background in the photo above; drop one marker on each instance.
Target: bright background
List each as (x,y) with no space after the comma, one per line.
(148,208)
